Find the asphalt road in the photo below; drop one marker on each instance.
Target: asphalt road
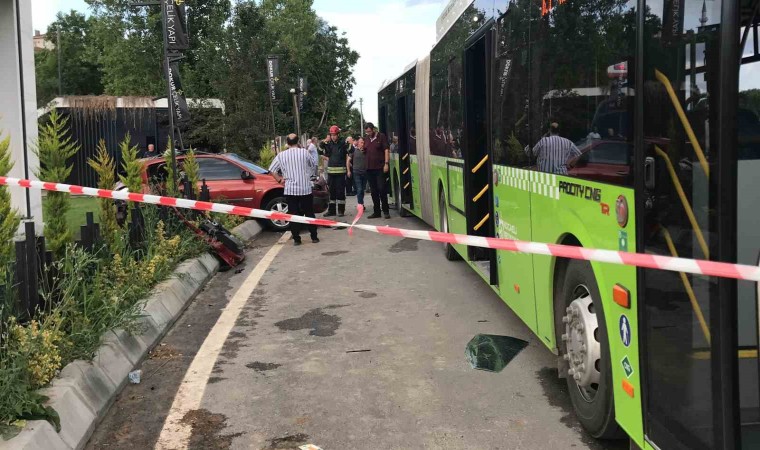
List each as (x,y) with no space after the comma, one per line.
(353,343)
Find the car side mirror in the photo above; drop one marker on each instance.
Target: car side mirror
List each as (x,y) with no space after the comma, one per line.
(246,175)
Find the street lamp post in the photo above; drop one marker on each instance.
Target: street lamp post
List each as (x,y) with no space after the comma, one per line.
(296,112)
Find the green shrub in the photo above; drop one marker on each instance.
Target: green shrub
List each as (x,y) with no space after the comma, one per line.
(192,171)
(9,218)
(171,178)
(54,149)
(266,156)
(104,165)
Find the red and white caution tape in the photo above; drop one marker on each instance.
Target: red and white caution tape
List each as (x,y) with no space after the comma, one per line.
(695,266)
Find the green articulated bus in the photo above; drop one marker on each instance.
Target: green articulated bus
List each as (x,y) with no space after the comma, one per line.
(662,99)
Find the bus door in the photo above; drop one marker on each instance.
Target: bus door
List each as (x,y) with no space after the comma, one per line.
(478,164)
(404,154)
(698,145)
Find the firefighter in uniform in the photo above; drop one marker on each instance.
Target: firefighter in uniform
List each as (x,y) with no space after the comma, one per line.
(336,151)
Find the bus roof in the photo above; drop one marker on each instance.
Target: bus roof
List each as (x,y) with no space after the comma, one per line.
(449,16)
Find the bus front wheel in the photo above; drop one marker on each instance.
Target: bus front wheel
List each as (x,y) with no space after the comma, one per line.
(449,251)
(585,348)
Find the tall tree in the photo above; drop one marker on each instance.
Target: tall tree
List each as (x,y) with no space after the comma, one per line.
(81,72)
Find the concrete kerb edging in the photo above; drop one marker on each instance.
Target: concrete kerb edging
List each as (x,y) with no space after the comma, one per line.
(84,390)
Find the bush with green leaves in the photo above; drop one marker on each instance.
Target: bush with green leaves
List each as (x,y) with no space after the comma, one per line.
(266,156)
(172,190)
(9,218)
(105,167)
(192,171)
(55,149)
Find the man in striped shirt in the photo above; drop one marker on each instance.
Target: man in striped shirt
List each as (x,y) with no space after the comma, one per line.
(296,166)
(554,153)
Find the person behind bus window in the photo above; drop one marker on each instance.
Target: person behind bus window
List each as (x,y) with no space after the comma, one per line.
(554,153)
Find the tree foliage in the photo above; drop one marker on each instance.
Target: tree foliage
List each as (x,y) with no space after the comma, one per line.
(105,166)
(54,150)
(9,218)
(117,51)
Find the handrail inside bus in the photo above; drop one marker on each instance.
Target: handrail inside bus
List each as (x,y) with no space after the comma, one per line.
(684,120)
(480,164)
(685,201)
(687,285)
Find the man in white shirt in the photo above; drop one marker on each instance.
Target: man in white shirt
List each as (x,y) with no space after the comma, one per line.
(295,166)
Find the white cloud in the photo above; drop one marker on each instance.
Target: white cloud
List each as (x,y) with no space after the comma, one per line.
(388,37)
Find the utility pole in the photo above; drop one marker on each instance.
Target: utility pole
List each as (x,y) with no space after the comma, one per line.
(58,49)
(168,59)
(361,113)
(296,112)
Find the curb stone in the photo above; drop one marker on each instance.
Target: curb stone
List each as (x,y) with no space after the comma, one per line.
(83,391)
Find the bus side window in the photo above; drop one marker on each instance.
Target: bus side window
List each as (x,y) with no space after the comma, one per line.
(511,124)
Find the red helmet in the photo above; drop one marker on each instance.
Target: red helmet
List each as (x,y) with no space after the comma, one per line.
(334,129)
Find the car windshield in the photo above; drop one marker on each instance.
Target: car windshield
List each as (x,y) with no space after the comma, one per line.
(249,165)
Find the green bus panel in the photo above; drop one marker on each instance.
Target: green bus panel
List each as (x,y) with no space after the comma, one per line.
(453,189)
(414,168)
(512,220)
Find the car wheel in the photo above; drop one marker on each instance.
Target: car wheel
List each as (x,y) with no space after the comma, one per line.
(448,249)
(277,204)
(585,348)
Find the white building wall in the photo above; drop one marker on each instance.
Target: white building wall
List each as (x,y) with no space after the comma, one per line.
(18,99)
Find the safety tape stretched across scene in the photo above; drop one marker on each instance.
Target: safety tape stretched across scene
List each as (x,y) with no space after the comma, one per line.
(668,263)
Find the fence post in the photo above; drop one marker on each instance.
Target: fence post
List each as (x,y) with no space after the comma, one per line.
(205,192)
(136,228)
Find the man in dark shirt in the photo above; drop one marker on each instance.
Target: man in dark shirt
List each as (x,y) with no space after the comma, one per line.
(378,159)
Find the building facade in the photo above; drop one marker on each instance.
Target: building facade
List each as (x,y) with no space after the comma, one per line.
(18,100)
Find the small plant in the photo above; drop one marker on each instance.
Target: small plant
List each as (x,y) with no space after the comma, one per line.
(105,166)
(9,218)
(54,149)
(40,347)
(131,165)
(192,171)
(266,156)
(171,178)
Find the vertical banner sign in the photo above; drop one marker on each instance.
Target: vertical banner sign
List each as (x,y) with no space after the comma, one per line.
(672,20)
(176,25)
(303,91)
(273,74)
(181,112)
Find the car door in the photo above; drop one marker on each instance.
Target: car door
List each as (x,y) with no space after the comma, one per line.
(225,181)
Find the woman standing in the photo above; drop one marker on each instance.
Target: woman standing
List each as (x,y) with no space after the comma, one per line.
(357,166)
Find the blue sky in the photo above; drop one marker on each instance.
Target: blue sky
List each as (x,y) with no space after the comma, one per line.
(388,34)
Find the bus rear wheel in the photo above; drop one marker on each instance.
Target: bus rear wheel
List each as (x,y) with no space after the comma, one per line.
(449,251)
(585,348)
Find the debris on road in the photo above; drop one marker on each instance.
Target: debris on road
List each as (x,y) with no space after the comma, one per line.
(309,447)
(358,351)
(134,376)
(492,353)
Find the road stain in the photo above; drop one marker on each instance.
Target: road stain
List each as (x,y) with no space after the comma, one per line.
(367,295)
(289,442)
(405,245)
(231,348)
(320,324)
(338,253)
(262,367)
(206,430)
(555,391)
(214,380)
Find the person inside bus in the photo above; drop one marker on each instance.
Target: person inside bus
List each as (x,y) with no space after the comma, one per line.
(554,153)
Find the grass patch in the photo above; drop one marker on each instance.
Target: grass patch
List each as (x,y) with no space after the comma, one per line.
(79,206)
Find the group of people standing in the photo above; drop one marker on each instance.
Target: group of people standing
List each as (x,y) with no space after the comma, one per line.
(364,159)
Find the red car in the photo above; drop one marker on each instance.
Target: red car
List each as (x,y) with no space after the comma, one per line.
(234,180)
(604,160)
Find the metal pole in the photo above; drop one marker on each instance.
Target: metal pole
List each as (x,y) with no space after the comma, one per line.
(296,113)
(361,113)
(169,98)
(58,48)
(24,138)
